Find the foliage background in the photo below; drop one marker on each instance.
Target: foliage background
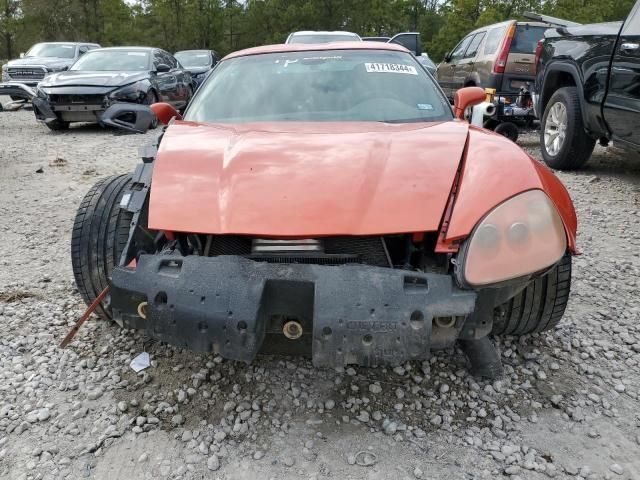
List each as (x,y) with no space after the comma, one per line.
(227,25)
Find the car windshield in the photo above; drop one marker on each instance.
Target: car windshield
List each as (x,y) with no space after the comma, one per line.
(526,39)
(323,38)
(333,85)
(194,59)
(113,60)
(57,50)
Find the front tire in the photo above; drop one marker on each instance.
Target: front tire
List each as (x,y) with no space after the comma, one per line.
(57,125)
(564,142)
(100,233)
(509,130)
(539,307)
(150,99)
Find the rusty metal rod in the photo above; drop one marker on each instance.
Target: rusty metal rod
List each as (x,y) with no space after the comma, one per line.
(83,318)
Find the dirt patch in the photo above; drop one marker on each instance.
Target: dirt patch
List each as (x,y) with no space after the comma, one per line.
(16,296)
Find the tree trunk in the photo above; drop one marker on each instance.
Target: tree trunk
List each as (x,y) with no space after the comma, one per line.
(8,13)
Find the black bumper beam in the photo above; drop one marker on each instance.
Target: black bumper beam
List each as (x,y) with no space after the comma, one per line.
(356,314)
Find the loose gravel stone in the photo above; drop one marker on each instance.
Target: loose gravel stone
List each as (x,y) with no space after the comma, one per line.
(177,420)
(95,394)
(616,468)
(43,414)
(213,463)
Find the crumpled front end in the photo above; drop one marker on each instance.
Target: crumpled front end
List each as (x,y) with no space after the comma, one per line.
(18,90)
(340,314)
(71,104)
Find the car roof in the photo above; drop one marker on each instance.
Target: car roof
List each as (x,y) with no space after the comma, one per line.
(534,24)
(194,50)
(150,49)
(316,47)
(509,22)
(67,43)
(324,32)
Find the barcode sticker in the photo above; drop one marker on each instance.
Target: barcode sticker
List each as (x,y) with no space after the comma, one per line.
(390,68)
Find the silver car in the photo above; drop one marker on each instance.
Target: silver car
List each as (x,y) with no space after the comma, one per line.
(310,36)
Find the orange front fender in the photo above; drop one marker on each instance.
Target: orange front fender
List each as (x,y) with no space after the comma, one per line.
(495,169)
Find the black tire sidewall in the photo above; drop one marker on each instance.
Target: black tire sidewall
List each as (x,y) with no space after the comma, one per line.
(150,100)
(100,231)
(57,125)
(508,130)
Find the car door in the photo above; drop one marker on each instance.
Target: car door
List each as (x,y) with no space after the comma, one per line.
(622,103)
(463,74)
(165,81)
(183,81)
(446,70)
(410,41)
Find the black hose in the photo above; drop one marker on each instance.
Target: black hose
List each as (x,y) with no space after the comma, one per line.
(484,358)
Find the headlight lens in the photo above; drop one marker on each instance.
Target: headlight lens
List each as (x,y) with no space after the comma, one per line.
(131,93)
(523,235)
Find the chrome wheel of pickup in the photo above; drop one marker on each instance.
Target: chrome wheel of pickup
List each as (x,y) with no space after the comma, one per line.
(555,129)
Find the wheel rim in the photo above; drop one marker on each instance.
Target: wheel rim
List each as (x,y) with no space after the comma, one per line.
(555,129)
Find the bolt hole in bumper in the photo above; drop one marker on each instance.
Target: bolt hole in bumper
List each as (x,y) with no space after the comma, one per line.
(236,307)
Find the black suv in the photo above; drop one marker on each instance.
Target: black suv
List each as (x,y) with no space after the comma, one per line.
(588,89)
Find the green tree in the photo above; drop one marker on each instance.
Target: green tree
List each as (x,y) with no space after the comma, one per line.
(227,25)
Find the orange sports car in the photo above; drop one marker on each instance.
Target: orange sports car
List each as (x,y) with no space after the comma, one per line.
(326,200)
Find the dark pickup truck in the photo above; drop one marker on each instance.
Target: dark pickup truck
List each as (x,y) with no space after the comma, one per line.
(588,89)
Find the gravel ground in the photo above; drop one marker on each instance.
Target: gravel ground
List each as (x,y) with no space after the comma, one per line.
(568,407)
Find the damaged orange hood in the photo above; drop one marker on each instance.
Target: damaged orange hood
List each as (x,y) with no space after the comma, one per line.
(304,179)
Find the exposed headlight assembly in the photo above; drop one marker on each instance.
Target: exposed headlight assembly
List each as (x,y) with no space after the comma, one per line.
(130,93)
(521,236)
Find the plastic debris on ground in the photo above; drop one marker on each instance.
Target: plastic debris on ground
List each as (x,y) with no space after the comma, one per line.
(140,362)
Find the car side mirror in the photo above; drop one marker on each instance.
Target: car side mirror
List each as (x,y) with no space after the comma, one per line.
(165,112)
(130,117)
(467,97)
(21,54)
(163,68)
(447,57)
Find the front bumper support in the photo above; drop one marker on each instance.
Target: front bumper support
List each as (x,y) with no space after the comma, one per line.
(18,90)
(356,314)
(43,110)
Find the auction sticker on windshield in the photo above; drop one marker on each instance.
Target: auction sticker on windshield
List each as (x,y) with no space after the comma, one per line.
(390,68)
